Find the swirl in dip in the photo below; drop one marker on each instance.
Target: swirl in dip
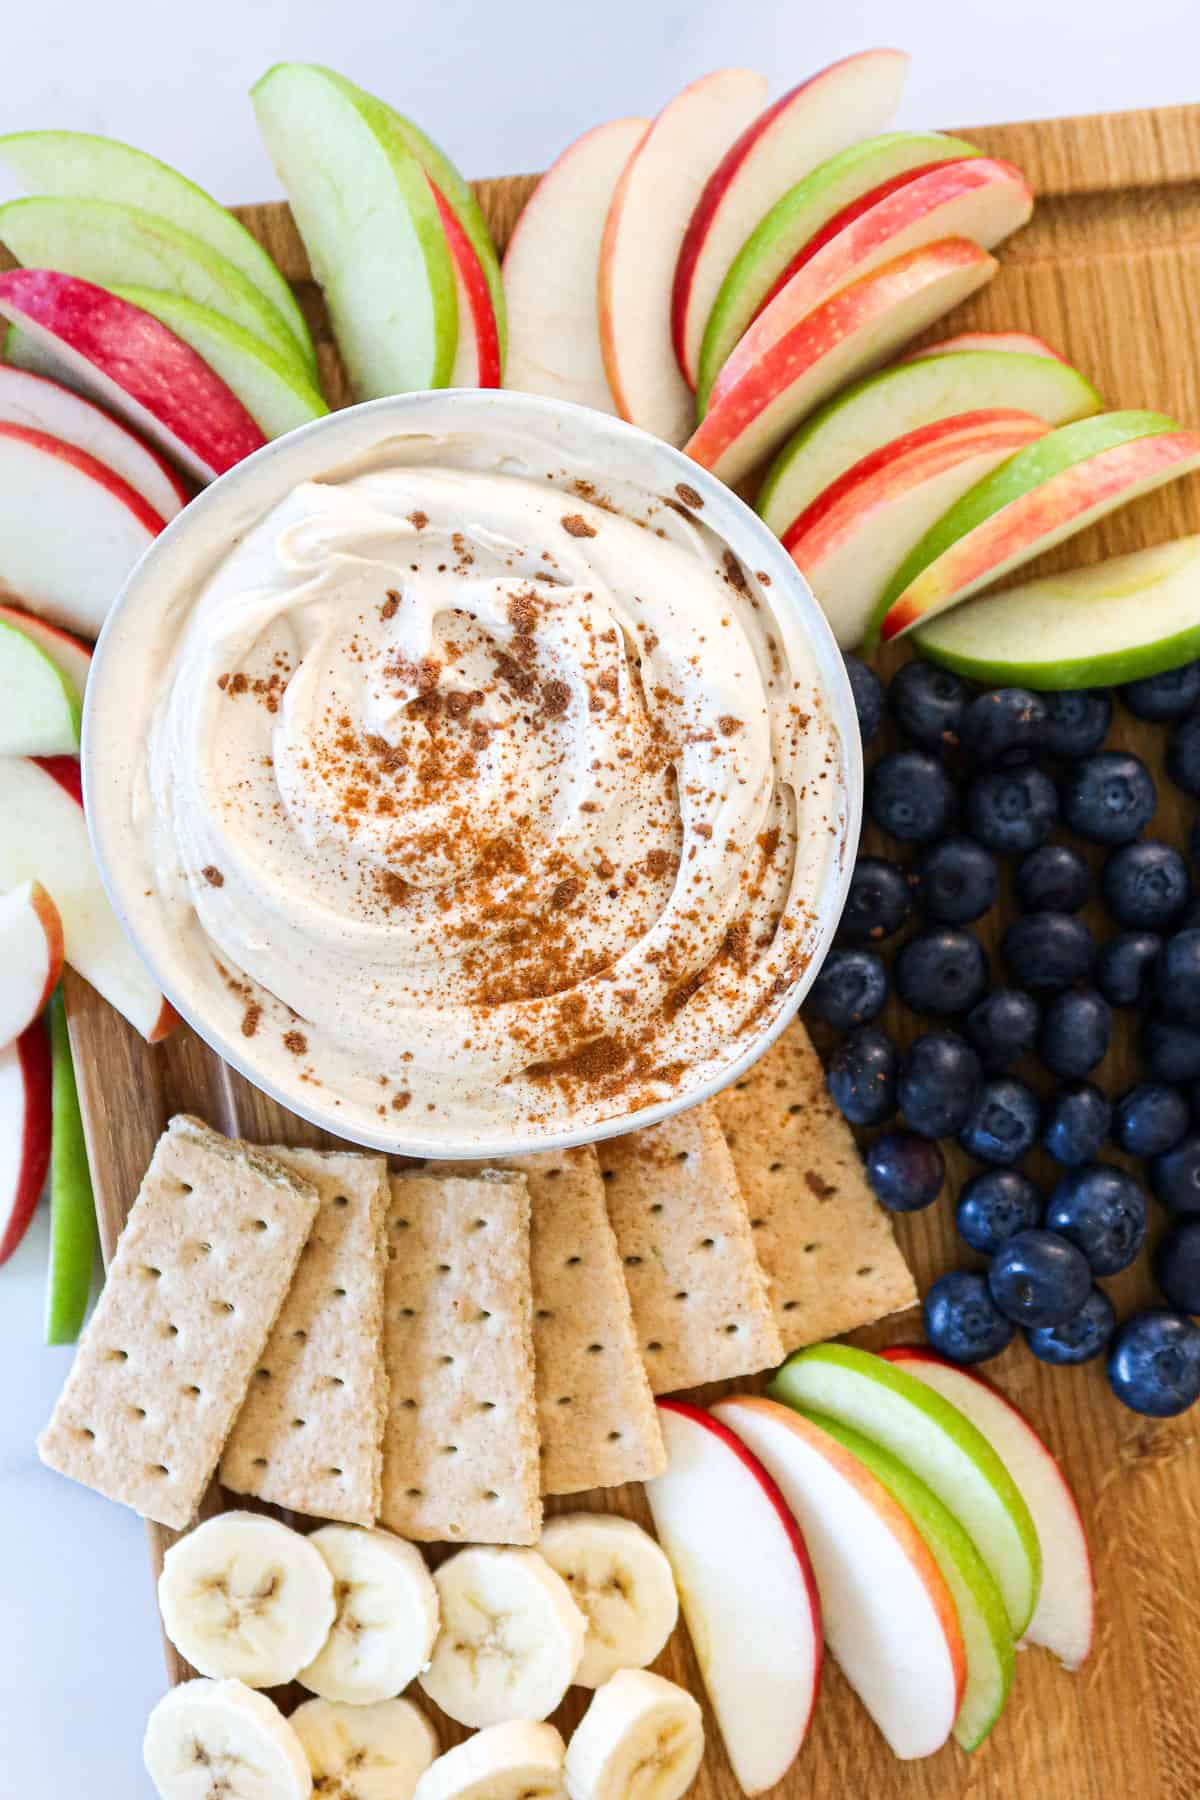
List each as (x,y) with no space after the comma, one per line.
(487,797)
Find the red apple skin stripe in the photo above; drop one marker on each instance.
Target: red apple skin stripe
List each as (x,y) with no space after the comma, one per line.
(483,313)
(33,1050)
(64,770)
(79,459)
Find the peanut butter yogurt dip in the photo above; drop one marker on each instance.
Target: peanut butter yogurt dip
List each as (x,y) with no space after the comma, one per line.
(488,795)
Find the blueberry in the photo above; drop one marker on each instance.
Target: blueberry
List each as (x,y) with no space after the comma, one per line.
(1047,950)
(1179,976)
(1075,1033)
(1150,1119)
(1002,1027)
(956,881)
(939,1076)
(1171,1050)
(1053,879)
(1037,1278)
(1102,1210)
(941,971)
(1183,755)
(1006,725)
(878,901)
(1126,966)
(862,1076)
(1077,721)
(928,703)
(1175,1178)
(1177,1266)
(1079,1339)
(905,1171)
(1002,1124)
(994,1205)
(1011,810)
(910,796)
(1154,1363)
(850,990)
(1165,696)
(962,1320)
(1109,797)
(1146,884)
(867,690)
(1076,1123)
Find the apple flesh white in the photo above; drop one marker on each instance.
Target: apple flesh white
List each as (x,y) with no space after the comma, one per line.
(70,655)
(551,269)
(31,957)
(41,405)
(370,223)
(41,709)
(940,1446)
(889,1618)
(114,353)
(43,837)
(24,1131)
(1065,1613)
(889,405)
(74,164)
(856,329)
(70,530)
(852,99)
(746,1588)
(848,542)
(1116,621)
(73,1235)
(643,232)
(477,357)
(1018,343)
(1047,492)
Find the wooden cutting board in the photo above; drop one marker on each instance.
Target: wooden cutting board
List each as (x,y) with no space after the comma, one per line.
(1109,273)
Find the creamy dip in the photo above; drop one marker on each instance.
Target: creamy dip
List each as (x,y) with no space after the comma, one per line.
(490,802)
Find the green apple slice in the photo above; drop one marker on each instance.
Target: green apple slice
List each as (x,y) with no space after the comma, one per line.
(933,1440)
(75,163)
(1117,621)
(72,1207)
(982,1616)
(105,243)
(796,219)
(41,711)
(276,397)
(369,219)
(901,399)
(1042,495)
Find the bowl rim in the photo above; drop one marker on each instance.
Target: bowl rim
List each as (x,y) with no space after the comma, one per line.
(221,512)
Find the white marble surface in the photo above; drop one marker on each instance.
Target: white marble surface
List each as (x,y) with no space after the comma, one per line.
(505,87)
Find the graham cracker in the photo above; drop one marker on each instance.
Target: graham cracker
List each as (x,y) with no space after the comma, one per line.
(200,1273)
(460,1446)
(310,1434)
(823,1239)
(699,1298)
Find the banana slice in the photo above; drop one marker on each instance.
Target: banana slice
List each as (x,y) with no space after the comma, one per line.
(374,1752)
(622,1581)
(510,1641)
(386,1620)
(516,1761)
(206,1738)
(244,1597)
(642,1738)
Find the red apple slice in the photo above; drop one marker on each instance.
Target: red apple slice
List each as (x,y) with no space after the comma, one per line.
(889,1617)
(1017,343)
(132,364)
(852,99)
(1064,1616)
(70,530)
(849,541)
(643,232)
(42,405)
(853,332)
(31,956)
(70,655)
(477,356)
(551,270)
(24,1131)
(43,837)
(746,1588)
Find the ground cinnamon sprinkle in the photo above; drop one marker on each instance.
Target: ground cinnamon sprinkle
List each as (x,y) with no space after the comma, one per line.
(400,1100)
(734,572)
(213,875)
(688,494)
(577,526)
(296,1042)
(250,1018)
(391,605)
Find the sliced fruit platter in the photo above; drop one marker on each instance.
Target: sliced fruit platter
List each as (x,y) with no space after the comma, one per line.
(789,329)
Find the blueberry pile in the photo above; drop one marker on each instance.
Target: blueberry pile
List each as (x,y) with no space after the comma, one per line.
(973,798)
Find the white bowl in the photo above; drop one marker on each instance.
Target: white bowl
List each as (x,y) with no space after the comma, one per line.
(121,696)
